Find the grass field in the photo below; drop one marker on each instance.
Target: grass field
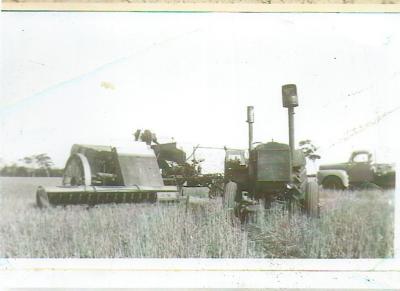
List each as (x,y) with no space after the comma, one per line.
(352,225)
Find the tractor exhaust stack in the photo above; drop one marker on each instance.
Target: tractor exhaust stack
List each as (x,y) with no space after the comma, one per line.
(250,121)
(290,101)
(291,130)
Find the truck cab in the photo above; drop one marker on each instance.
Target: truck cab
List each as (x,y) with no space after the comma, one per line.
(359,167)
(359,171)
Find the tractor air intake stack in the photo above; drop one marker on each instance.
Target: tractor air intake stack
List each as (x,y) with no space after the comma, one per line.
(289,100)
(250,121)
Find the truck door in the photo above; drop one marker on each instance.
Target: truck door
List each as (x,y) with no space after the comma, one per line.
(360,169)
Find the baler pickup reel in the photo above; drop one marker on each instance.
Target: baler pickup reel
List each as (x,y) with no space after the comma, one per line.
(104,174)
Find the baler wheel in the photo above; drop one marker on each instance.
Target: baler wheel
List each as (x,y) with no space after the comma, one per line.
(77,171)
(42,199)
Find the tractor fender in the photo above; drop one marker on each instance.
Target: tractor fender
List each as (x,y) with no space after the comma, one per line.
(341,174)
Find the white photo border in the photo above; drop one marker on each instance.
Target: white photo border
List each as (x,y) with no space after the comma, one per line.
(345,274)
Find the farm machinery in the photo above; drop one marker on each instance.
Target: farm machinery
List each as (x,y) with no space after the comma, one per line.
(103,174)
(179,170)
(272,172)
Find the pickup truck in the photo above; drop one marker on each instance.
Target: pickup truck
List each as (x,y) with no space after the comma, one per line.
(359,172)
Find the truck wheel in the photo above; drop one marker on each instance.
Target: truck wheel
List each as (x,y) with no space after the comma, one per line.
(370,186)
(311,199)
(333,183)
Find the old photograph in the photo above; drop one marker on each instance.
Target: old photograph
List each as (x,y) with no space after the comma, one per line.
(198,135)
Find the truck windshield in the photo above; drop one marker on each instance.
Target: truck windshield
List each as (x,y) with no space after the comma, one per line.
(361,158)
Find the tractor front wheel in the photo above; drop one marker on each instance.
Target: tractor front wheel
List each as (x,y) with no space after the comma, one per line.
(230,193)
(311,199)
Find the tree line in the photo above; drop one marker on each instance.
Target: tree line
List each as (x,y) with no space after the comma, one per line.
(40,165)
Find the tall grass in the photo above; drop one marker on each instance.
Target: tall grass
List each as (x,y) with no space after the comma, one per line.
(140,230)
(352,225)
(359,225)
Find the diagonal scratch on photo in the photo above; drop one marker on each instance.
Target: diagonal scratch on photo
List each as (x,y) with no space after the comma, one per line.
(192,135)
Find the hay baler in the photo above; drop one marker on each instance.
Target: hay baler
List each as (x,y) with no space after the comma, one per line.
(97,174)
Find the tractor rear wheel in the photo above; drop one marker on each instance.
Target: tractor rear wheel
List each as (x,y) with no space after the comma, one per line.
(333,183)
(311,199)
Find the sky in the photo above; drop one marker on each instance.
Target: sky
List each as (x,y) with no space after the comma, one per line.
(95,78)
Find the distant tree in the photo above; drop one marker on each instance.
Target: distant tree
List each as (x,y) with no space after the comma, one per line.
(14,171)
(309,150)
(29,162)
(137,134)
(39,165)
(146,136)
(21,172)
(5,171)
(55,172)
(44,162)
